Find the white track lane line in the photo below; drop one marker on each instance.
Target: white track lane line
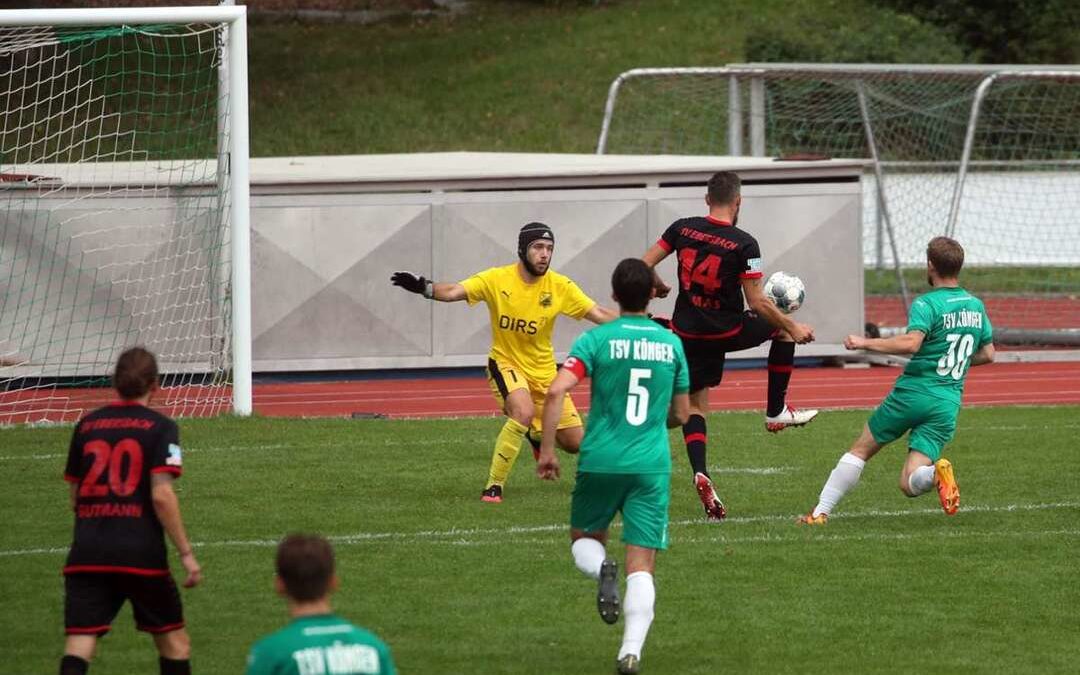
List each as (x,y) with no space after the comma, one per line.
(500,534)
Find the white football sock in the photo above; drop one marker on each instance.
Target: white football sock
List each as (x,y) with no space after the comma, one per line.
(588,555)
(921,480)
(844,477)
(637,612)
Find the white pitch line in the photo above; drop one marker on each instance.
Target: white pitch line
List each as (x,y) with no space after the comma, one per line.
(462,534)
(752,470)
(1016,427)
(819,537)
(282,446)
(424,442)
(18,457)
(878,536)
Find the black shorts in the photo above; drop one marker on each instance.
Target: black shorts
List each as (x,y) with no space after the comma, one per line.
(91,602)
(706,356)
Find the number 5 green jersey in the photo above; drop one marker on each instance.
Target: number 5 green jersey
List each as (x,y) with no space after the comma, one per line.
(636,366)
(956,326)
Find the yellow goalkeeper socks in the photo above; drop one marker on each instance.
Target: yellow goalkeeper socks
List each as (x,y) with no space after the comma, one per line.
(507,447)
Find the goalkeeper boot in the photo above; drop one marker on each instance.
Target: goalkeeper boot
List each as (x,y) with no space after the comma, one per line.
(492,494)
(607,596)
(947,489)
(714,508)
(811,519)
(789,417)
(628,665)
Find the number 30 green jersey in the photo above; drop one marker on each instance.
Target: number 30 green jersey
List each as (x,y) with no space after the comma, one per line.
(956,326)
(636,366)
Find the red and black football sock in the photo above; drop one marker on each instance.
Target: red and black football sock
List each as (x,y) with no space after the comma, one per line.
(694,435)
(781,363)
(174,666)
(73,665)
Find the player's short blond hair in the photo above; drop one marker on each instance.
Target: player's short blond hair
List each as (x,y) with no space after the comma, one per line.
(946,255)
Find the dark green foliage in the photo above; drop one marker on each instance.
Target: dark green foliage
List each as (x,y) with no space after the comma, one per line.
(562,3)
(840,32)
(1005,31)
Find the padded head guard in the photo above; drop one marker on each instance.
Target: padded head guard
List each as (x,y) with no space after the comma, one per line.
(530,233)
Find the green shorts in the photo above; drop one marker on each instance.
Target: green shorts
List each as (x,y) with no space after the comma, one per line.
(642,498)
(932,421)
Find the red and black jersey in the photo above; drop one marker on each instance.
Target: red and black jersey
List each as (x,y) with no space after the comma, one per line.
(114,452)
(713,256)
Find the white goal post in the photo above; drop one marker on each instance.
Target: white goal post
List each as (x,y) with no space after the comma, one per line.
(987,153)
(101,109)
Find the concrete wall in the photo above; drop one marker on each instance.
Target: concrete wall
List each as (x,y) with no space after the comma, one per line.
(322,264)
(102,256)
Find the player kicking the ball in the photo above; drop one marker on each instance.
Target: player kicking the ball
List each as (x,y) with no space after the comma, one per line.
(719,264)
(948,331)
(639,390)
(523,299)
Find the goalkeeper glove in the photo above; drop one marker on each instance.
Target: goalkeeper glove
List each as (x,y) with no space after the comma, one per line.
(414,283)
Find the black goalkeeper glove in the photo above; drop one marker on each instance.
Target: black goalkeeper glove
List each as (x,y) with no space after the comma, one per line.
(413,283)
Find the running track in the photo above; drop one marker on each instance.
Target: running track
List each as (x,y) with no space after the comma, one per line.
(996,384)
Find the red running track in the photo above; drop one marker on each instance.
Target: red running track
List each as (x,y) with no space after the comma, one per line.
(1006,311)
(996,384)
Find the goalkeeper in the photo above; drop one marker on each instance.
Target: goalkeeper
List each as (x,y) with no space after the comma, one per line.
(523,299)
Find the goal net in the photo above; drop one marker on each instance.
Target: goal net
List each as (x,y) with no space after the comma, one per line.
(122,174)
(988,155)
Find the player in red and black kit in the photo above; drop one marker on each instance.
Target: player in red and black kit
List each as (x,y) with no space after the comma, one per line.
(121,465)
(719,264)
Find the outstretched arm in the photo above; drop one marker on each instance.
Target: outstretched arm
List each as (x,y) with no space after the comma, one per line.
(414,283)
(448,292)
(599,314)
(908,343)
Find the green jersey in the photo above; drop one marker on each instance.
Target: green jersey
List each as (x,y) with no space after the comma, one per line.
(956,326)
(636,366)
(320,645)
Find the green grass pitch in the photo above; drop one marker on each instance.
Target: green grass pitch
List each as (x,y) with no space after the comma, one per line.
(458,586)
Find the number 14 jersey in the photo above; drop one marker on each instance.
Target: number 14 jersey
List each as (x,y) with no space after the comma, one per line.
(636,366)
(114,451)
(713,257)
(956,326)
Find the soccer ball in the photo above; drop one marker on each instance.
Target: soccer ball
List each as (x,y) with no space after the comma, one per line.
(786,291)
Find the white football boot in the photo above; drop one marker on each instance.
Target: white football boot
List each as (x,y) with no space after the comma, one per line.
(789,417)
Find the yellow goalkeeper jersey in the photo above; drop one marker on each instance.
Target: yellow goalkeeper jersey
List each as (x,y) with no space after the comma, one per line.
(523,315)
